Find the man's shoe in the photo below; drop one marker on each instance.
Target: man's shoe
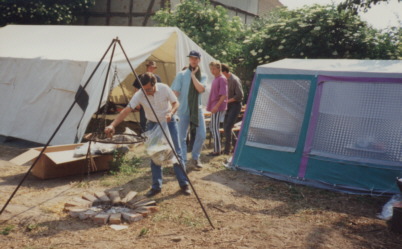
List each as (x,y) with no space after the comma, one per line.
(198,163)
(152,192)
(214,154)
(186,190)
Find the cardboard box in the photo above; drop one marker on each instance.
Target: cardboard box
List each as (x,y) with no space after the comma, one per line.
(59,161)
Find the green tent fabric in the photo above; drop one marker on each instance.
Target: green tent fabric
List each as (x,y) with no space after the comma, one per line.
(333,124)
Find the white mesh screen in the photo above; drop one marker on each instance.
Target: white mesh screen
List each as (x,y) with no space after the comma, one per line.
(278,114)
(360,121)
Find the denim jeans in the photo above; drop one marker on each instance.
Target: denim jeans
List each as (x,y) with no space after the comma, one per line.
(200,135)
(157,169)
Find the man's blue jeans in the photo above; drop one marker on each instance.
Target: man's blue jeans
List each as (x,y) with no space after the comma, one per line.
(157,169)
(200,135)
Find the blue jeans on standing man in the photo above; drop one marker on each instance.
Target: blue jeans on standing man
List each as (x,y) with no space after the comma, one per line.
(200,135)
(157,169)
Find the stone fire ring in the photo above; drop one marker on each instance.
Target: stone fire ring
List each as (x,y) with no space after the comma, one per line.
(110,207)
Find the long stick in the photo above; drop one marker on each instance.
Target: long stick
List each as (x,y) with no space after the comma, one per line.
(57,129)
(100,102)
(165,135)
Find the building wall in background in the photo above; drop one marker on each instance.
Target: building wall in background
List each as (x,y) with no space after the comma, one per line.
(139,12)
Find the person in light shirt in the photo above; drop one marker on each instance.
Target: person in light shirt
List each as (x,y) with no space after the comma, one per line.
(150,67)
(165,104)
(188,86)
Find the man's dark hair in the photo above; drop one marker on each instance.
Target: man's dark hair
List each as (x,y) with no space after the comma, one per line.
(225,68)
(145,78)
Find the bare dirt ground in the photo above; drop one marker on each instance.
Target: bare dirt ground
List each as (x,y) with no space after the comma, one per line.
(247,211)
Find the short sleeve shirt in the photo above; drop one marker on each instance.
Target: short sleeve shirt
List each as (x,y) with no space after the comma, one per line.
(219,87)
(235,89)
(181,84)
(161,101)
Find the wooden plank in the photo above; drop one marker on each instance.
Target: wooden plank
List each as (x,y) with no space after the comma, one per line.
(143,211)
(90,197)
(129,196)
(132,217)
(138,198)
(115,218)
(75,212)
(114,196)
(73,204)
(102,197)
(101,218)
(83,202)
(145,202)
(142,204)
(87,214)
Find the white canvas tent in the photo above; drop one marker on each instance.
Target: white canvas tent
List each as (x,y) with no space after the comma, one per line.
(42,67)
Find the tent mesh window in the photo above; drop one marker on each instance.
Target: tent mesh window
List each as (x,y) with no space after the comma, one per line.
(278,114)
(360,121)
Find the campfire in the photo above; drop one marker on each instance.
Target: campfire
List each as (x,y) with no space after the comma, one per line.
(110,207)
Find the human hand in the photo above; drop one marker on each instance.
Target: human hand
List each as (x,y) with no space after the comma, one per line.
(168,117)
(109,130)
(214,109)
(195,70)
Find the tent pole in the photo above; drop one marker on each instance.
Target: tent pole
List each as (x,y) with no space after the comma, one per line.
(57,129)
(99,106)
(107,74)
(165,135)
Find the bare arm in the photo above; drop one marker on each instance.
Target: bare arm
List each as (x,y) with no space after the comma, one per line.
(175,105)
(220,101)
(110,129)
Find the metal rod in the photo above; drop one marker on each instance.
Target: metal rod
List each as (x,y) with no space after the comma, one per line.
(55,132)
(88,156)
(107,74)
(165,135)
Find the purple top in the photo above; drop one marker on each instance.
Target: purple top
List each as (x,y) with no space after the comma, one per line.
(219,87)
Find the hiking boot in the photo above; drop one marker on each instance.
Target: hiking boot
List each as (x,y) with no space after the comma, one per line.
(198,163)
(152,192)
(186,190)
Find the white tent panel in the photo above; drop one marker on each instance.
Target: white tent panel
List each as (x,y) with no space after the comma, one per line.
(334,67)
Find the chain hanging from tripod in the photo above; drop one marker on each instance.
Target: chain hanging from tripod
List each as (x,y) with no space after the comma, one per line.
(126,137)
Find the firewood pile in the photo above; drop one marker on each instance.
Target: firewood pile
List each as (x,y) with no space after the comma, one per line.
(110,207)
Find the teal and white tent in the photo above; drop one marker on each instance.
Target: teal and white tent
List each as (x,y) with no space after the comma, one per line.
(333,124)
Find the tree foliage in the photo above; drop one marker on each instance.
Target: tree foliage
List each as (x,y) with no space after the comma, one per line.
(316,32)
(356,5)
(310,32)
(209,26)
(41,11)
